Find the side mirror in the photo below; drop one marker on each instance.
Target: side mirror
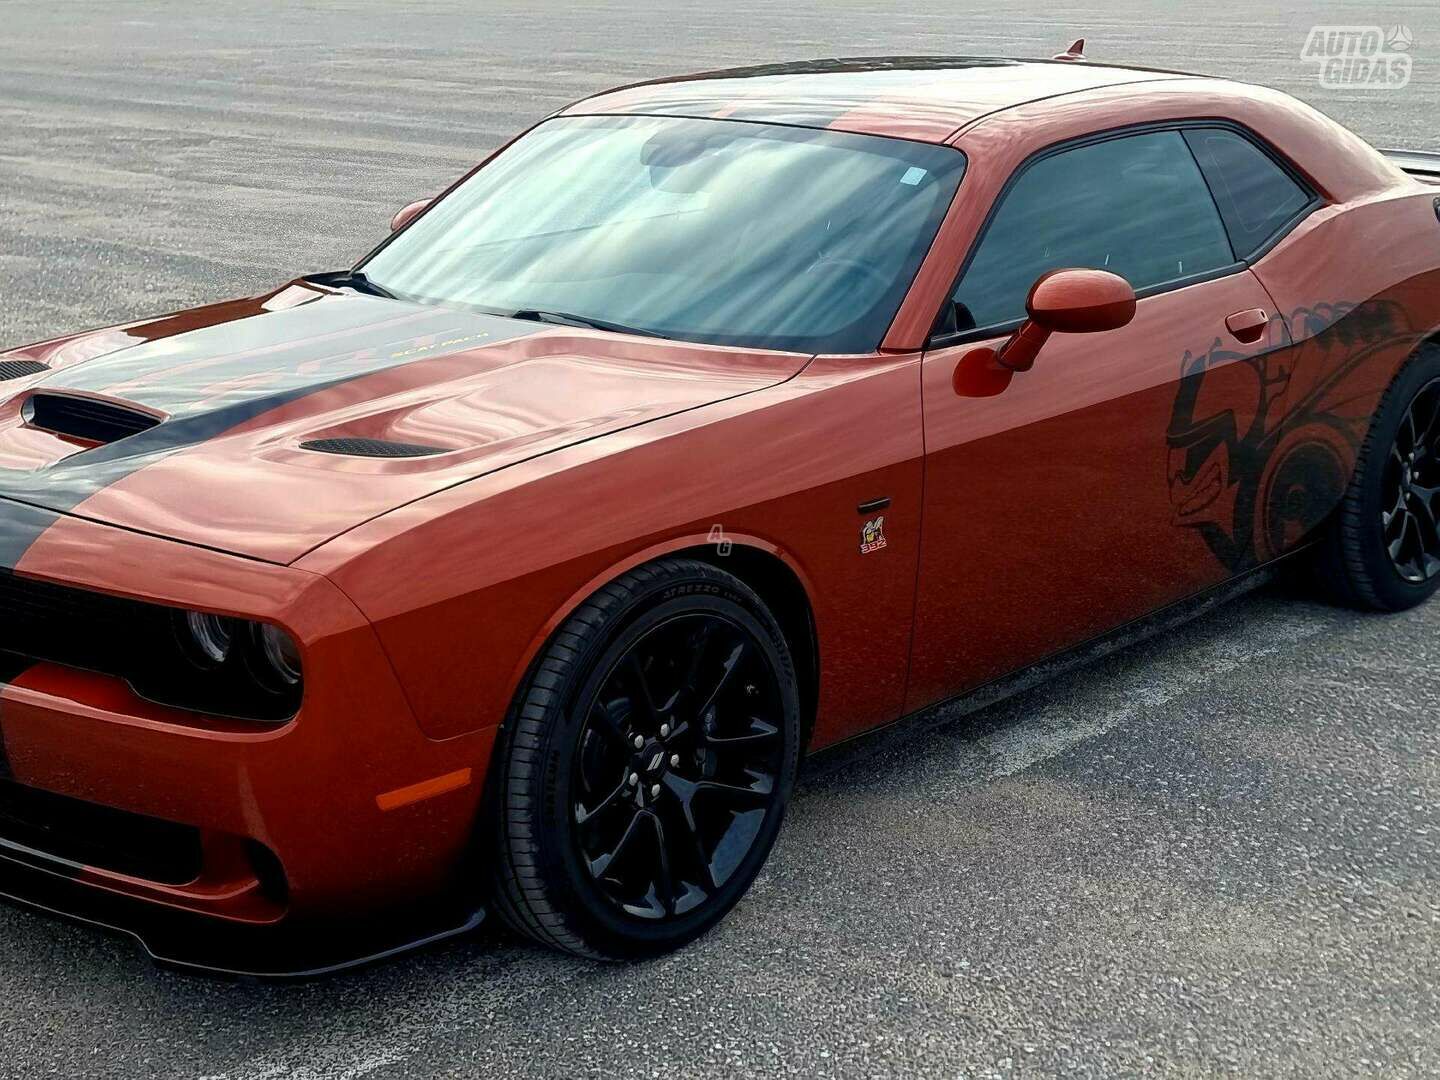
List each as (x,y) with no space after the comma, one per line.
(1068,302)
(407,214)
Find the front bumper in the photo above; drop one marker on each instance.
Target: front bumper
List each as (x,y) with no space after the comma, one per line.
(183,939)
(292,853)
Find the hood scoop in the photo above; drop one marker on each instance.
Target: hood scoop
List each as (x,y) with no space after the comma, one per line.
(371,448)
(87,420)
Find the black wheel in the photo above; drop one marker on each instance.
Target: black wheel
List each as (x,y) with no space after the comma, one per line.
(645,766)
(1382,550)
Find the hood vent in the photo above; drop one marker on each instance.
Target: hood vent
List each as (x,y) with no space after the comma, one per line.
(18,369)
(376,448)
(86,419)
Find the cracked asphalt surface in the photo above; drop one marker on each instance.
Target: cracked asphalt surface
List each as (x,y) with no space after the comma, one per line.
(1214,853)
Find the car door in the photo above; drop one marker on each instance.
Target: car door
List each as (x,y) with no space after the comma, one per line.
(1088,492)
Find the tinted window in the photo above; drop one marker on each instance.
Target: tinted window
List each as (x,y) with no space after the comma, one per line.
(1257,197)
(1136,206)
(704,230)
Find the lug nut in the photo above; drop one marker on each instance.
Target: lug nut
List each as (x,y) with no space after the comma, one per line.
(634,779)
(654,791)
(639,741)
(674,760)
(664,730)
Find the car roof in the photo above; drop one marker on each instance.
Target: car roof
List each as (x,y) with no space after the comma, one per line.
(929,98)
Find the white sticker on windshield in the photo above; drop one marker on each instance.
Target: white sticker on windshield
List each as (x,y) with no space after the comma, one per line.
(913,175)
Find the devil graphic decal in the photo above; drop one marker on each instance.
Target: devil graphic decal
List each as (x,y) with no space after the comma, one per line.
(1262,446)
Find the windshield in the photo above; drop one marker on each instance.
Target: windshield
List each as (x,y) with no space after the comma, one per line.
(703,230)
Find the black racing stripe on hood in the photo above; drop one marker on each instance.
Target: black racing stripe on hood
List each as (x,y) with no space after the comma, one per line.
(274,353)
(70,482)
(20,526)
(211,380)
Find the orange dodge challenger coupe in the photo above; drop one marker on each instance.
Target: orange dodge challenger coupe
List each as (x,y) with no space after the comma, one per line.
(710,422)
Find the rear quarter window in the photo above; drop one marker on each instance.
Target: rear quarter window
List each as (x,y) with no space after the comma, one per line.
(1257,197)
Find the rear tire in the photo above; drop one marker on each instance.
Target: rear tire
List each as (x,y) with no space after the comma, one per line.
(643,771)
(1381,551)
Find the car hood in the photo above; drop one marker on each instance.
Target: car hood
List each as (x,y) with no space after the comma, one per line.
(196,426)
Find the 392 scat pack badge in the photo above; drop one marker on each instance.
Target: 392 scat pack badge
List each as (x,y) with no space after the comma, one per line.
(872,536)
(340,615)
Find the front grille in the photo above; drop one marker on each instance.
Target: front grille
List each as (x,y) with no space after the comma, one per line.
(87,419)
(86,833)
(378,448)
(75,627)
(18,369)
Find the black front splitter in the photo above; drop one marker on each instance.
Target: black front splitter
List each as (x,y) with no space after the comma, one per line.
(201,943)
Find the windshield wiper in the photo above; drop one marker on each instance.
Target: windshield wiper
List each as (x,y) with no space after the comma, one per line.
(360,282)
(357,280)
(564,318)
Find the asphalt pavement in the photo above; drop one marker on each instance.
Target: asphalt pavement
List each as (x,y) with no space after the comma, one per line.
(1214,853)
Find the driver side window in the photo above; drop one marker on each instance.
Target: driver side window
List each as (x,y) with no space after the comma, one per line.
(1136,206)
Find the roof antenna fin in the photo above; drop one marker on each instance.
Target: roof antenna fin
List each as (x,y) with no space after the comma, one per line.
(1075,52)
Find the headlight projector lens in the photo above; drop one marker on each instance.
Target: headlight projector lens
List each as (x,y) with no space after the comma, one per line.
(211,637)
(279,655)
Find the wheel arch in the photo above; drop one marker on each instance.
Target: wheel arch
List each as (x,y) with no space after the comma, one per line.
(777,583)
(1264,549)
(767,568)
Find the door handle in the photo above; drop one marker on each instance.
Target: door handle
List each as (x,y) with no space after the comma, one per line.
(1248,326)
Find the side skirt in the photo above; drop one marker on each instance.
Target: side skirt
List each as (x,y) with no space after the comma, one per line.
(868,743)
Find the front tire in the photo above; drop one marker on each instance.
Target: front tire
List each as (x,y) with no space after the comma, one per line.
(1382,549)
(643,771)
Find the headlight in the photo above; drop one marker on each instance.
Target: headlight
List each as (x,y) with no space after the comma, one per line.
(277,658)
(227,666)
